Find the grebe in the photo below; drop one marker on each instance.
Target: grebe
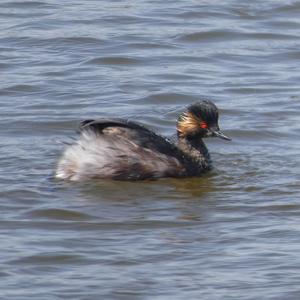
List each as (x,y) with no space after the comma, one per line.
(124,150)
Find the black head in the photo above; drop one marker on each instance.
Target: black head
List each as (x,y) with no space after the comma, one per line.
(200,121)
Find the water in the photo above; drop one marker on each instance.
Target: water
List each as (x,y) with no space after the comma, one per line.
(233,234)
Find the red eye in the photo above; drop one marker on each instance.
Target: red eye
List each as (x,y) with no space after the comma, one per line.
(203,125)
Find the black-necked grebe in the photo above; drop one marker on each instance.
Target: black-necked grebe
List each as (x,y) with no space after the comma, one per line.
(124,150)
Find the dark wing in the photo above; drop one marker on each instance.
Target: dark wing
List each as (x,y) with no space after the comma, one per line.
(133,132)
(98,125)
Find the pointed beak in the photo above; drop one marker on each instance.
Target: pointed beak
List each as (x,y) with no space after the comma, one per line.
(221,135)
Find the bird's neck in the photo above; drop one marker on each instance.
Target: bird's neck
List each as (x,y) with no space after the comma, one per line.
(196,150)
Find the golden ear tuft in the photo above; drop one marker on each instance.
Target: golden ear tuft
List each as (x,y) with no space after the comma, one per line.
(187,123)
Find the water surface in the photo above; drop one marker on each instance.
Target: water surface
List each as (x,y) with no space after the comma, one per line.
(232,234)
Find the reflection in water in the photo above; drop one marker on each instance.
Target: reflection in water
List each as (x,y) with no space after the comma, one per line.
(169,188)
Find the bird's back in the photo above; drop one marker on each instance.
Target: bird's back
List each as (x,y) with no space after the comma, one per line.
(119,149)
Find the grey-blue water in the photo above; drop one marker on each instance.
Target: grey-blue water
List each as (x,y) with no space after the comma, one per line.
(232,234)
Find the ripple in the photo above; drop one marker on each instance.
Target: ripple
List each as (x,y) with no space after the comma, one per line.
(49,258)
(20,88)
(253,134)
(58,214)
(166,99)
(114,60)
(4,274)
(260,90)
(4,66)
(203,14)
(57,42)
(26,4)
(209,36)
(220,36)
(21,195)
(72,225)
(77,40)
(287,8)
(150,45)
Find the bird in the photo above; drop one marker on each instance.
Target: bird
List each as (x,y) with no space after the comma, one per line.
(121,149)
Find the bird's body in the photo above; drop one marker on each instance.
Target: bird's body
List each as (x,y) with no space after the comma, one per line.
(125,150)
